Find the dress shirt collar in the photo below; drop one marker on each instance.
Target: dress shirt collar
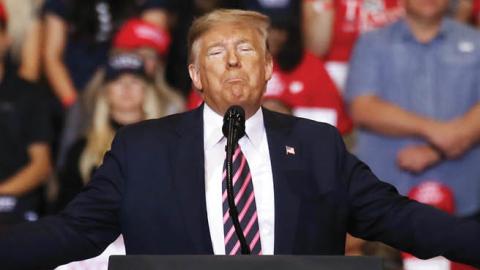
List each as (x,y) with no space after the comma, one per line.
(254,128)
(404,30)
(212,126)
(213,122)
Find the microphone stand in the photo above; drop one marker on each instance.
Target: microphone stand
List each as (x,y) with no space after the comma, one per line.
(232,141)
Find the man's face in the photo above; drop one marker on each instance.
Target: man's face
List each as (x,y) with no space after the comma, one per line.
(126,93)
(425,9)
(231,67)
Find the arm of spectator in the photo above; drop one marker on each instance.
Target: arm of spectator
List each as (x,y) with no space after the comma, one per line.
(369,110)
(372,112)
(318,16)
(56,71)
(417,158)
(456,137)
(452,138)
(364,91)
(83,230)
(470,123)
(31,52)
(32,175)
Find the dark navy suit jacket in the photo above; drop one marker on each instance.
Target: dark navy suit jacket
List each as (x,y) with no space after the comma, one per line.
(151,189)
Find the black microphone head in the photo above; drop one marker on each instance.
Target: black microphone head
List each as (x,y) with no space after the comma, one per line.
(236,115)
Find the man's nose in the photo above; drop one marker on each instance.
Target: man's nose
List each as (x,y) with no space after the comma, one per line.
(233,59)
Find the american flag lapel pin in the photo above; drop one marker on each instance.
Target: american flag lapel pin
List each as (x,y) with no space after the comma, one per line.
(289,150)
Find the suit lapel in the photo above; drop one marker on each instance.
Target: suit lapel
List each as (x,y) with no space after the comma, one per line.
(189,180)
(283,165)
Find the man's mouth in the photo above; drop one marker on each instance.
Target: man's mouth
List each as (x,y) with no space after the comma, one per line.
(233,80)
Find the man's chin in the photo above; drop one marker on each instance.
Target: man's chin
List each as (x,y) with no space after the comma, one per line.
(237,100)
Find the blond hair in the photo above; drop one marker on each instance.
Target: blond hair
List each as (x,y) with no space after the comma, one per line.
(217,17)
(173,101)
(157,103)
(22,14)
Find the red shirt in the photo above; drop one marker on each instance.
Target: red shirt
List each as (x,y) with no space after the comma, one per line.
(310,92)
(353,17)
(194,100)
(476,11)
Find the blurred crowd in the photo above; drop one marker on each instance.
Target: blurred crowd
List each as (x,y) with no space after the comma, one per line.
(400,79)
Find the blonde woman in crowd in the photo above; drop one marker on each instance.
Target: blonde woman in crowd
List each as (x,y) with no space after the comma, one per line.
(123,95)
(151,44)
(78,38)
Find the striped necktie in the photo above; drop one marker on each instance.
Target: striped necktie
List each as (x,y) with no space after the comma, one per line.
(246,206)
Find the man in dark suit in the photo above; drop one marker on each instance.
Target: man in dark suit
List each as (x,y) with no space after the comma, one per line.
(161,183)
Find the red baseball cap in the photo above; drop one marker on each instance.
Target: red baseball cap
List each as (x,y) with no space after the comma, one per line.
(137,33)
(435,194)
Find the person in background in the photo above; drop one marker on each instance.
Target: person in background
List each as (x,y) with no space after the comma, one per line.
(146,40)
(124,94)
(332,27)
(300,84)
(414,92)
(25,137)
(152,45)
(78,36)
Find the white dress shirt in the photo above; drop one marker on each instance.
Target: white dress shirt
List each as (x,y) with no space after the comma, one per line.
(254,146)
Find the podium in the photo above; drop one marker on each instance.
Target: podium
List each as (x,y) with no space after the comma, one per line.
(266,262)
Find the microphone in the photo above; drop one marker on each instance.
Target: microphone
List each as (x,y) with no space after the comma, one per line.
(234,129)
(234,121)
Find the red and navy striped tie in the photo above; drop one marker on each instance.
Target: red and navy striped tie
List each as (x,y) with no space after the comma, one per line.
(246,206)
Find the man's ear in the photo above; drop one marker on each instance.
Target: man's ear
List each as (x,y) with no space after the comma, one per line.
(195,76)
(268,66)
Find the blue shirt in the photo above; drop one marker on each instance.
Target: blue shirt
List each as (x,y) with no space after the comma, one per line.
(439,79)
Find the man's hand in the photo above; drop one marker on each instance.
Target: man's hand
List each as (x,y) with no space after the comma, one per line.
(449,137)
(417,158)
